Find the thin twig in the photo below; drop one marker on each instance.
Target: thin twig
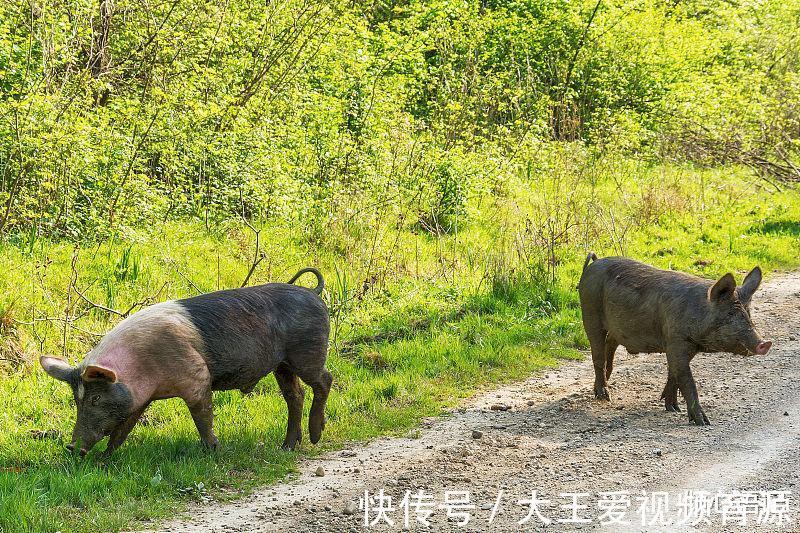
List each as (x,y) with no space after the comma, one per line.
(123,314)
(257,255)
(182,275)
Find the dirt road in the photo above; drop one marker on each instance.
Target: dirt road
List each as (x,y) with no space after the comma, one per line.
(549,434)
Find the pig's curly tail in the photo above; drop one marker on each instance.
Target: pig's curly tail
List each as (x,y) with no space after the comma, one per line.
(589,258)
(320,281)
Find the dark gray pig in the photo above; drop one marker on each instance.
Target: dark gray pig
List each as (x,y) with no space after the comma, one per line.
(645,309)
(186,348)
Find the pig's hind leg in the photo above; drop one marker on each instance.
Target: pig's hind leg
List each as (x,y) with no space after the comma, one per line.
(610,349)
(597,342)
(293,394)
(320,380)
(597,334)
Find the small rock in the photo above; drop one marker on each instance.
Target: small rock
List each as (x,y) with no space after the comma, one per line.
(657,452)
(296,503)
(499,407)
(786,413)
(327,507)
(350,508)
(320,471)
(476,434)
(486,506)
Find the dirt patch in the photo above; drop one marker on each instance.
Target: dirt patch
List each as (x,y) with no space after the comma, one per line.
(549,434)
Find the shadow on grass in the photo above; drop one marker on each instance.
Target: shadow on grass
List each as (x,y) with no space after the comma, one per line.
(777,227)
(159,469)
(538,300)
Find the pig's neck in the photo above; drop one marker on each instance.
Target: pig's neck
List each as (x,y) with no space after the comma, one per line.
(701,332)
(141,383)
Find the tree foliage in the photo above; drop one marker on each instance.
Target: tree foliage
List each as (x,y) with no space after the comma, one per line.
(117,113)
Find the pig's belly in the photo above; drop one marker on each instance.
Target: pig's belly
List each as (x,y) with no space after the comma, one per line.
(642,342)
(245,383)
(641,348)
(242,377)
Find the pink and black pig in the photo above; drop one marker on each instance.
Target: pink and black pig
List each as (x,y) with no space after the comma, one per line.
(187,348)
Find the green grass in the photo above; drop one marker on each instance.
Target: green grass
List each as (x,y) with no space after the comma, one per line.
(440,318)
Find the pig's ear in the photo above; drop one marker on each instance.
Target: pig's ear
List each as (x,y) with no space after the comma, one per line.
(751,283)
(57,368)
(98,373)
(723,288)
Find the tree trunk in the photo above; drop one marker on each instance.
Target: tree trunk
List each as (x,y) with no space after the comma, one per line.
(99,57)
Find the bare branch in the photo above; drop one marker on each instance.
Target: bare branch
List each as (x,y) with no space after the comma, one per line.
(258,256)
(123,314)
(127,173)
(170,261)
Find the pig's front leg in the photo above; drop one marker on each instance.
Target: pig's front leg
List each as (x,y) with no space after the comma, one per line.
(678,358)
(203,415)
(122,431)
(670,395)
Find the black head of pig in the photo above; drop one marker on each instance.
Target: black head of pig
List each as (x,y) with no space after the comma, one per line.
(102,402)
(728,326)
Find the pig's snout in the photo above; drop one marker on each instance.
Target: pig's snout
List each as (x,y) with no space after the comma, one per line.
(83,451)
(83,445)
(763,347)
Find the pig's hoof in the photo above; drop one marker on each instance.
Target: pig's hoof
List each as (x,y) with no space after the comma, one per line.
(700,419)
(211,444)
(672,407)
(290,443)
(314,436)
(106,455)
(601,393)
(315,426)
(315,432)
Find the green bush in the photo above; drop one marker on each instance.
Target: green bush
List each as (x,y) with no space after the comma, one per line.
(290,110)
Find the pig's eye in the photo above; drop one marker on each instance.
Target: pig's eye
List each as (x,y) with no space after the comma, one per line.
(95,399)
